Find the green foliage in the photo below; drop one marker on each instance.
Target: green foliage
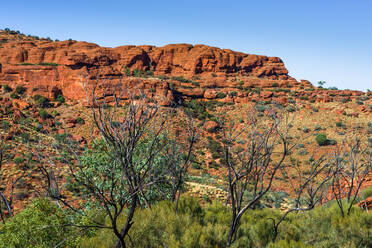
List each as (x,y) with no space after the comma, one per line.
(126,70)
(14,96)
(18,160)
(321,83)
(20,90)
(215,148)
(367,192)
(44,114)
(182,79)
(99,165)
(321,139)
(80,120)
(7,88)
(41,101)
(48,64)
(60,98)
(140,73)
(221,95)
(197,109)
(41,224)
(260,108)
(5,125)
(194,226)
(233,93)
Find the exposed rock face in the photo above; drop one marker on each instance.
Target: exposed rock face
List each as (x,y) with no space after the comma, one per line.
(171,73)
(47,67)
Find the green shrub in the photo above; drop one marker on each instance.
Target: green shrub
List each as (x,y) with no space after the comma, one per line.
(302,152)
(14,96)
(20,90)
(195,83)
(339,124)
(195,226)
(275,85)
(181,79)
(60,98)
(233,93)
(41,224)
(321,139)
(80,120)
(291,108)
(126,71)
(41,101)
(162,77)
(5,125)
(7,88)
(18,160)
(260,108)
(215,148)
(44,114)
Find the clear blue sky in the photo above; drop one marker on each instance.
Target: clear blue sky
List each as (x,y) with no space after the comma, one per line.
(328,40)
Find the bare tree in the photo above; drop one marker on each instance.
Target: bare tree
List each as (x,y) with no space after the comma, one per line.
(353,164)
(179,155)
(250,166)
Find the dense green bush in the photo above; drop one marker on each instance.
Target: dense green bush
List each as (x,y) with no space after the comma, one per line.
(321,139)
(194,226)
(41,224)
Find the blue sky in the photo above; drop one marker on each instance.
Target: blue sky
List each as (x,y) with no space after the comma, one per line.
(317,40)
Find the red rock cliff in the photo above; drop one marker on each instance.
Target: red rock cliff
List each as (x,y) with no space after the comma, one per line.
(48,67)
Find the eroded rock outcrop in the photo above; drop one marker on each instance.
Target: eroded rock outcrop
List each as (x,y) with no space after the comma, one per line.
(172,72)
(46,67)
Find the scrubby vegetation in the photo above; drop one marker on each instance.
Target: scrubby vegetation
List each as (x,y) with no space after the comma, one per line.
(43,224)
(260,179)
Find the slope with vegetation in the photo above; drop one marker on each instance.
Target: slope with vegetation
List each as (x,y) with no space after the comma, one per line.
(179,146)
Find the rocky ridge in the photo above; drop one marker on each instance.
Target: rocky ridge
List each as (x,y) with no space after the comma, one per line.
(172,72)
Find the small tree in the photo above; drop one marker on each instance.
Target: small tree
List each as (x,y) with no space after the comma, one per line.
(179,154)
(128,166)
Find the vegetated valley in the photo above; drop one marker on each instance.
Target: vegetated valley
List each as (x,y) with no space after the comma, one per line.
(176,146)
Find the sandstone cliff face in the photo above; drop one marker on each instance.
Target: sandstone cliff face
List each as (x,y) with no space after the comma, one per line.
(50,68)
